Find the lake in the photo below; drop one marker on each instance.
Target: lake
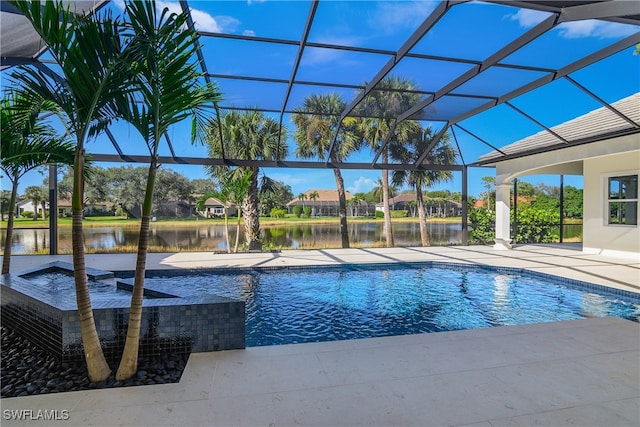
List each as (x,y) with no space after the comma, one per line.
(210,237)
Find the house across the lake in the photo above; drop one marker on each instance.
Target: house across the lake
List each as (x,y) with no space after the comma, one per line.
(326,203)
(214,208)
(433,207)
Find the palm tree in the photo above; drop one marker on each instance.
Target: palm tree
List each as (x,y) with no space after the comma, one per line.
(317,121)
(303,197)
(248,135)
(313,196)
(89,52)
(442,153)
(167,81)
(37,195)
(25,144)
(388,100)
(234,190)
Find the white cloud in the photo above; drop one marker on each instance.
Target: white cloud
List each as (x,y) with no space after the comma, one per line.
(390,17)
(528,18)
(361,185)
(594,28)
(576,29)
(203,21)
(249,33)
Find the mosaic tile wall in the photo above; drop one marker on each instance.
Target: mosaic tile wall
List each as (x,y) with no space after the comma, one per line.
(169,323)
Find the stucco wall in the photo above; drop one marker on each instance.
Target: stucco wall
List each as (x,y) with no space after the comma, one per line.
(598,237)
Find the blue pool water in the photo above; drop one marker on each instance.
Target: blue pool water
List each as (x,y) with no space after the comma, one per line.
(296,306)
(56,284)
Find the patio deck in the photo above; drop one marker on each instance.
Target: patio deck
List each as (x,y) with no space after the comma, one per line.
(583,372)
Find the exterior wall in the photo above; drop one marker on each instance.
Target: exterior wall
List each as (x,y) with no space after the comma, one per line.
(598,236)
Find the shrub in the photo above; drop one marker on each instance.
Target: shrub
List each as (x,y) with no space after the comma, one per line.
(534,226)
(277,213)
(26,214)
(379,214)
(297,211)
(537,225)
(483,225)
(307,211)
(399,214)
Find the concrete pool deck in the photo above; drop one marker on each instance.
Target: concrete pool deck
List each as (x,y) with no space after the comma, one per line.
(584,372)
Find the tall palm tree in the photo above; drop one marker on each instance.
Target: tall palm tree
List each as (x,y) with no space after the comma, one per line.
(443,153)
(248,135)
(89,52)
(388,100)
(25,144)
(167,82)
(313,196)
(317,121)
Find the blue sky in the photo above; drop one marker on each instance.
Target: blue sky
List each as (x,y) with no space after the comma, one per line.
(472,31)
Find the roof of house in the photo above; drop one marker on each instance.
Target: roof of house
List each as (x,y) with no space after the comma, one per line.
(212,201)
(323,196)
(597,123)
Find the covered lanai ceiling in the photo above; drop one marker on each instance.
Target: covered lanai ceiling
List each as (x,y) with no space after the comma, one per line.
(465,60)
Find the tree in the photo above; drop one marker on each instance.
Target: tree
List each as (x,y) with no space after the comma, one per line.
(302,197)
(37,195)
(248,135)
(442,153)
(5,203)
(317,122)
(234,190)
(390,98)
(89,51)
(274,195)
(377,192)
(128,186)
(313,196)
(201,186)
(170,186)
(167,81)
(25,144)
(488,182)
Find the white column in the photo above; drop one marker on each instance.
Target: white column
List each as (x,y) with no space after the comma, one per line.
(503,223)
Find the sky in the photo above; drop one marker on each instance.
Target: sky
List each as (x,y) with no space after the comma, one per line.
(472,31)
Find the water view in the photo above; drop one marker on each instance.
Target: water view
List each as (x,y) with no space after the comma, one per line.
(210,237)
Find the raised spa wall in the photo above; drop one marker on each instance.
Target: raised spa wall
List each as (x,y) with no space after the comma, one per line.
(170,322)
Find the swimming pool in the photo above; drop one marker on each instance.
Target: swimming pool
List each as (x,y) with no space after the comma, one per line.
(321,304)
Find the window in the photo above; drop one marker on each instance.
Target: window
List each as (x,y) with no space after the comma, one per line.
(623,200)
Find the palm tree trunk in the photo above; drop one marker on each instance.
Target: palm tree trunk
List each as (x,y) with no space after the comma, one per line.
(424,234)
(226,228)
(97,366)
(235,250)
(342,213)
(6,260)
(129,362)
(385,201)
(250,209)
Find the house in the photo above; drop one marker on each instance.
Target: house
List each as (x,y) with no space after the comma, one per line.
(605,150)
(26,205)
(433,207)
(326,203)
(214,208)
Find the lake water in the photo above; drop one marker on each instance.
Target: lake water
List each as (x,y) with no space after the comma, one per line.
(210,237)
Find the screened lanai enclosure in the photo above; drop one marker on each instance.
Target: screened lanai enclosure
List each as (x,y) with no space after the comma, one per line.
(486,73)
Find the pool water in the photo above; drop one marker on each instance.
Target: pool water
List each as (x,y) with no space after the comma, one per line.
(297,306)
(55,284)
